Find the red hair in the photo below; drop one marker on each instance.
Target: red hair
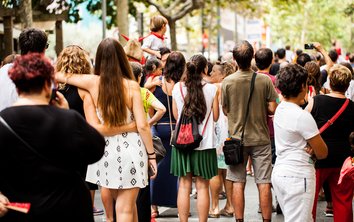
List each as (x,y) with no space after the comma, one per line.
(30,72)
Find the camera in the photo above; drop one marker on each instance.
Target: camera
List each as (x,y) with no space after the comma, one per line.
(309,46)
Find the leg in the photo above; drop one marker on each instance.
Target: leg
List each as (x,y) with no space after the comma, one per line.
(265,199)
(203,200)
(238,199)
(228,189)
(143,204)
(215,188)
(249,166)
(107,200)
(320,177)
(183,201)
(125,204)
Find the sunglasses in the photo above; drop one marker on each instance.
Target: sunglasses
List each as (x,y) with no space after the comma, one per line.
(47,45)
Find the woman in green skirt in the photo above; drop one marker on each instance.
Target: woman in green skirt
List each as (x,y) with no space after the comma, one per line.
(199,98)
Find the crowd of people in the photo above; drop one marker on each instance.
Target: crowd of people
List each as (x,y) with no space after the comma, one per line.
(79,126)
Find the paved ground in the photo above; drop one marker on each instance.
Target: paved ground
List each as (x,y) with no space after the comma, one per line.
(251,208)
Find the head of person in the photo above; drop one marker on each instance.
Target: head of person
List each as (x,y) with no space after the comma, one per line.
(175,67)
(33,40)
(287,47)
(264,58)
(228,57)
(157,23)
(298,52)
(220,71)
(302,59)
(347,64)
(164,52)
(333,55)
(243,54)
(194,101)
(112,65)
(292,81)
(281,53)
(314,78)
(74,59)
(339,78)
(153,66)
(137,69)
(32,74)
(8,59)
(351,58)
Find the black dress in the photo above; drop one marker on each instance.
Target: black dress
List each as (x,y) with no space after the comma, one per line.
(54,188)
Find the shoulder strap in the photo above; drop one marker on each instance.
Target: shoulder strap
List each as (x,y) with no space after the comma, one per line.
(169,106)
(335,117)
(248,105)
(24,142)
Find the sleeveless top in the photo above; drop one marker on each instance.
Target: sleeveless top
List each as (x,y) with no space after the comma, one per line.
(71,94)
(161,96)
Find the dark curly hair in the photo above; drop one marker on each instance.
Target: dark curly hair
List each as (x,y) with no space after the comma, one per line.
(194,101)
(30,72)
(32,40)
(175,67)
(291,79)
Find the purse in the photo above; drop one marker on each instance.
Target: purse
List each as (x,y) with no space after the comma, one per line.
(159,149)
(233,148)
(186,136)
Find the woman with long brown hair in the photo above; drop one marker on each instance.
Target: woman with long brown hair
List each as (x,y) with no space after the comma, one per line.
(196,97)
(116,95)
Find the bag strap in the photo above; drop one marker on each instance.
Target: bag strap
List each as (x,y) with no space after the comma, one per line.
(24,142)
(335,117)
(169,106)
(248,105)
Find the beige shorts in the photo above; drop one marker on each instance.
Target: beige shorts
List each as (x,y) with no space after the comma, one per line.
(261,161)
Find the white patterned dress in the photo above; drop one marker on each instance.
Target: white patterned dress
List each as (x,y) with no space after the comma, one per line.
(124,162)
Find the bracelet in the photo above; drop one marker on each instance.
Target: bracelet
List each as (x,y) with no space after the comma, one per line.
(150,153)
(67,78)
(152,158)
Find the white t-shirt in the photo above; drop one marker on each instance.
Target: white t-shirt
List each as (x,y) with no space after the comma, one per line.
(152,42)
(8,93)
(209,90)
(292,128)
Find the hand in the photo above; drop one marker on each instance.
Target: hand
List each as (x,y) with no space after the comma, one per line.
(157,54)
(3,201)
(157,82)
(309,150)
(153,166)
(60,101)
(59,77)
(318,46)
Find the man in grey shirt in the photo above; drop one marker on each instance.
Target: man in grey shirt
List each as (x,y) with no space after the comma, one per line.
(30,40)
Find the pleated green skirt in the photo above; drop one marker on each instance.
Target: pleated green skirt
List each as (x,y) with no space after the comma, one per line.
(201,163)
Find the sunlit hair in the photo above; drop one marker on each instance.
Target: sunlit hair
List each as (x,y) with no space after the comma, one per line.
(73,59)
(31,72)
(113,67)
(174,67)
(225,68)
(339,78)
(194,101)
(314,78)
(157,22)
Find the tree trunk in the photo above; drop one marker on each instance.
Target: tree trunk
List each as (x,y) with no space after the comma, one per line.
(26,14)
(122,19)
(172,24)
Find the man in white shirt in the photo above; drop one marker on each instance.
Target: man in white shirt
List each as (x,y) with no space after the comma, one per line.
(30,40)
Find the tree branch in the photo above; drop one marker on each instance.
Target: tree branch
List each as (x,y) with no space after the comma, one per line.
(159,8)
(186,8)
(173,5)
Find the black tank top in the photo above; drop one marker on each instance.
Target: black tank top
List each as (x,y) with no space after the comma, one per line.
(71,94)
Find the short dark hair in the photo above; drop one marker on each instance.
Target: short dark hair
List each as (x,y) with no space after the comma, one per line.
(302,59)
(137,69)
(298,52)
(30,72)
(243,54)
(281,53)
(151,65)
(164,50)
(264,58)
(291,80)
(287,47)
(175,66)
(351,58)
(333,55)
(32,40)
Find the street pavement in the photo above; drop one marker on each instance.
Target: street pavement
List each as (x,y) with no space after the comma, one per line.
(251,209)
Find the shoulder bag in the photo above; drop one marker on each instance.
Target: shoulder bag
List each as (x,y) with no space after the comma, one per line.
(233,148)
(186,136)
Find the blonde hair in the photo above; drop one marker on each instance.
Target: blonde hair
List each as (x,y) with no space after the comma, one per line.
(157,22)
(73,59)
(339,78)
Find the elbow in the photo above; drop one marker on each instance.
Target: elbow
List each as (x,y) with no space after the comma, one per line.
(143,127)
(162,110)
(323,155)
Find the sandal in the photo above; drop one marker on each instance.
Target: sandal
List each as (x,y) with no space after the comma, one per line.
(224,213)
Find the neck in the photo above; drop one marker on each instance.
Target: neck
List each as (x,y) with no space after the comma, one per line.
(32,99)
(297,100)
(265,70)
(337,94)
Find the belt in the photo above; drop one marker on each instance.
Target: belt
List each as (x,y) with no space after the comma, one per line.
(165,123)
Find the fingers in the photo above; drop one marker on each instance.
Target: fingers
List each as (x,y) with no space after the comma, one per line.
(61,102)
(3,202)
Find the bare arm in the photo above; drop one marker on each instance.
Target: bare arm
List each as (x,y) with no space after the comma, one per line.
(142,124)
(152,52)
(3,202)
(174,109)
(271,107)
(92,119)
(326,57)
(216,107)
(318,146)
(152,82)
(160,111)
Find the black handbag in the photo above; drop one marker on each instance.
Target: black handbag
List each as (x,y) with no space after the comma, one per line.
(233,148)
(186,136)
(159,149)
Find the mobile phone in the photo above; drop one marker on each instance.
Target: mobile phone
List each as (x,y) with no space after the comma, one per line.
(309,46)
(53,96)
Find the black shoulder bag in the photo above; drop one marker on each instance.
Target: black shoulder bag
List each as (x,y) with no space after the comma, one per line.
(233,148)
